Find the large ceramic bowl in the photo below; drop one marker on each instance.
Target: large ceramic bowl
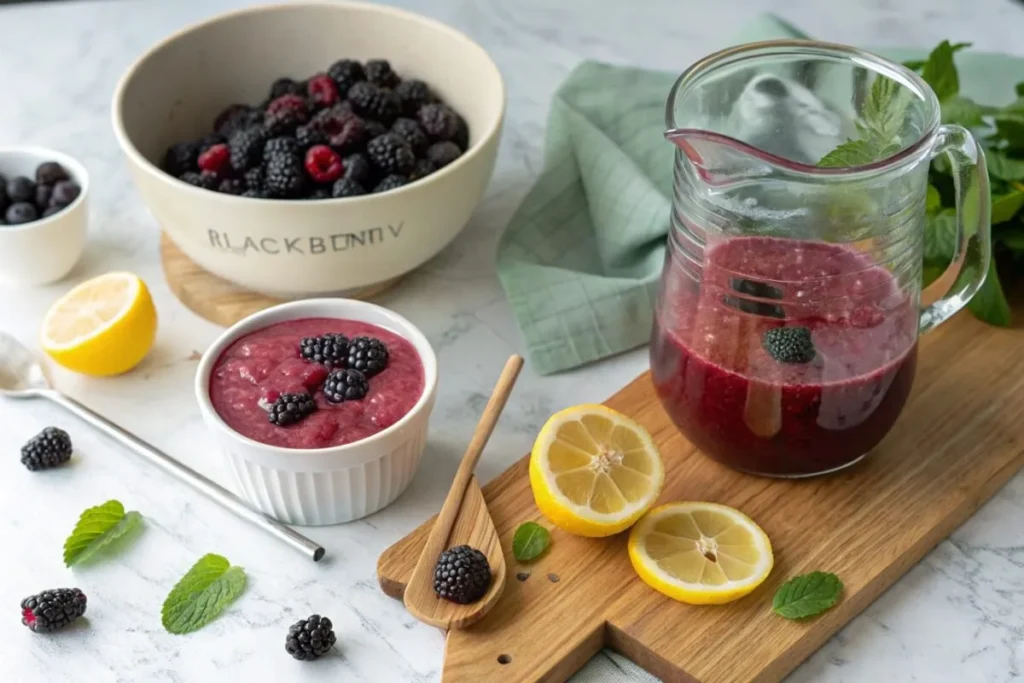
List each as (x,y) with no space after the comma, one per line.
(302,248)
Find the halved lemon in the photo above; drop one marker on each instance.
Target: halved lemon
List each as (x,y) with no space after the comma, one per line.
(104,326)
(594,471)
(700,553)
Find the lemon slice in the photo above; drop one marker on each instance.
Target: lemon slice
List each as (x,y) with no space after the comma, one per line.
(104,326)
(700,553)
(594,471)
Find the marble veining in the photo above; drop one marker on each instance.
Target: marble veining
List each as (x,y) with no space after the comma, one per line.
(957,616)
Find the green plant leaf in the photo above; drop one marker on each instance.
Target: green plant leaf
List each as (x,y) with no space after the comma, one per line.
(989,303)
(96,528)
(915,64)
(933,200)
(879,126)
(530,541)
(939,70)
(1019,89)
(1003,167)
(1010,128)
(963,112)
(940,237)
(196,600)
(807,595)
(1006,206)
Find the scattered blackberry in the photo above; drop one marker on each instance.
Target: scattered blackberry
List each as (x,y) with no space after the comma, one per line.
(285,86)
(215,159)
(21,189)
(320,192)
(284,144)
(391,154)
(291,408)
(345,384)
(439,120)
(329,350)
(391,182)
(345,187)
(323,164)
(246,147)
(286,178)
(379,72)
(462,575)
(285,114)
(411,132)
(50,172)
(322,90)
(367,355)
(204,180)
(375,129)
(422,169)
(789,344)
(180,158)
(309,135)
(346,73)
(443,153)
(231,186)
(21,212)
(351,136)
(412,95)
(65,192)
(310,638)
(255,178)
(357,169)
(373,101)
(48,448)
(235,118)
(52,609)
(43,193)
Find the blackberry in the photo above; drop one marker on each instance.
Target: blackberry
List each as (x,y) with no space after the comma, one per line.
(350,137)
(285,86)
(439,120)
(5,201)
(412,95)
(231,186)
(443,153)
(21,212)
(357,169)
(288,409)
(345,384)
(320,192)
(310,638)
(235,118)
(322,91)
(411,131)
(789,344)
(375,129)
(44,192)
(181,158)
(309,135)
(285,114)
(331,121)
(253,193)
(373,101)
(391,154)
(422,169)
(204,180)
(246,148)
(65,192)
(367,355)
(209,141)
(461,137)
(345,187)
(255,178)
(48,448)
(462,575)
(50,210)
(379,72)
(52,609)
(391,182)
(346,73)
(50,172)
(286,178)
(21,189)
(285,144)
(329,350)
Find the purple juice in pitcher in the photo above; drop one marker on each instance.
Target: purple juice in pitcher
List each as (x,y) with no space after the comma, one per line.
(779,410)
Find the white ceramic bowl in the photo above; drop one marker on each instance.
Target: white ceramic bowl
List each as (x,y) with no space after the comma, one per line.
(302,248)
(324,485)
(45,250)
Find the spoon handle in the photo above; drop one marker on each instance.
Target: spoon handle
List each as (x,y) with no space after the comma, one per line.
(211,489)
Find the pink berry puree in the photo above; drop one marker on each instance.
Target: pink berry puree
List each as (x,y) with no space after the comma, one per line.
(739,405)
(260,366)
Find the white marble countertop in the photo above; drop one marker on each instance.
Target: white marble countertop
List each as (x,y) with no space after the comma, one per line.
(957,616)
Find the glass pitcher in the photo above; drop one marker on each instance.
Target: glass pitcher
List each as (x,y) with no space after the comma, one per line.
(785,335)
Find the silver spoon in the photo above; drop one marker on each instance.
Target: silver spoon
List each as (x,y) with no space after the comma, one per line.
(22,377)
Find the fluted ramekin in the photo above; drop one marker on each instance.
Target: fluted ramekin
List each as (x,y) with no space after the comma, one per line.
(318,486)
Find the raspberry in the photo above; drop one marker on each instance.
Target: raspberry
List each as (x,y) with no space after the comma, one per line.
(323,91)
(351,136)
(285,114)
(215,158)
(391,154)
(413,133)
(412,95)
(439,120)
(344,187)
(323,164)
(443,153)
(346,73)
(373,101)
(358,168)
(379,72)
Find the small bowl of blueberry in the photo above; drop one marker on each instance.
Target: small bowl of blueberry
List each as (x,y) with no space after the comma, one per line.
(311,149)
(43,215)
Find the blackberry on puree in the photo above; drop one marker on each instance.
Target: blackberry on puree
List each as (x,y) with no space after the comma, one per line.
(345,384)
(368,355)
(52,609)
(288,409)
(310,638)
(462,575)
(789,344)
(49,448)
(329,350)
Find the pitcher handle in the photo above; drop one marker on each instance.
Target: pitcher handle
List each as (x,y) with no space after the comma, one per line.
(973,251)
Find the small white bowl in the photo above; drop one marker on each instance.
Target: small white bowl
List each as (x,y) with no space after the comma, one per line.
(324,485)
(45,250)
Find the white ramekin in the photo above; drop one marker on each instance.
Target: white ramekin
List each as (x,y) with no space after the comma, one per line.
(324,485)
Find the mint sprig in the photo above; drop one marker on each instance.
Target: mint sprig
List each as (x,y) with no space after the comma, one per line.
(879,127)
(530,541)
(97,528)
(807,595)
(202,594)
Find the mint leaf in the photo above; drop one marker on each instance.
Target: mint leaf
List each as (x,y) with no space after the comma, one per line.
(989,303)
(530,541)
(1003,167)
(879,126)
(940,237)
(96,528)
(1004,207)
(196,600)
(939,70)
(807,595)
(915,64)
(1010,128)
(963,112)
(849,153)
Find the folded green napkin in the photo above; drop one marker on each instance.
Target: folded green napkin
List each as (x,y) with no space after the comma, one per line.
(581,257)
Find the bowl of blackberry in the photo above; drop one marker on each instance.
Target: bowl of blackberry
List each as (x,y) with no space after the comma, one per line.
(310,149)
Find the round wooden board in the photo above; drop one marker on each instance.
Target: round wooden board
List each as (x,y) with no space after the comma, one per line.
(218,300)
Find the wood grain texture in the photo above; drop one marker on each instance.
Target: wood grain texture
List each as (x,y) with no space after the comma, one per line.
(217,300)
(959,439)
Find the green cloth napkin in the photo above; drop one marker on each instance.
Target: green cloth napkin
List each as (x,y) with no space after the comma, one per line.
(581,257)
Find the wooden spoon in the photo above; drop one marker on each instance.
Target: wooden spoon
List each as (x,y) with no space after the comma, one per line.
(464,519)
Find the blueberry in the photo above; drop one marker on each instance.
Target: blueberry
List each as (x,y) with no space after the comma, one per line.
(21,189)
(4,200)
(21,212)
(43,193)
(65,192)
(50,172)
(50,210)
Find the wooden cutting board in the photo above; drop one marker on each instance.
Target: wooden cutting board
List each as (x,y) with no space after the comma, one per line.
(959,439)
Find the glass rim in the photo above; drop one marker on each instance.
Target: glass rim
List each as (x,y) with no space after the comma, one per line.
(809,48)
